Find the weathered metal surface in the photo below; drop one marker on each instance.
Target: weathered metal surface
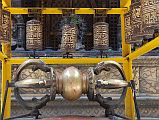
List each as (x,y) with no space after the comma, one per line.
(101,35)
(71,84)
(34,38)
(69,38)
(6,25)
(150,16)
(136,22)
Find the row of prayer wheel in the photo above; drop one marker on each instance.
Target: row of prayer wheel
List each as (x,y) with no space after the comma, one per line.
(142,20)
(140,23)
(69,36)
(70,33)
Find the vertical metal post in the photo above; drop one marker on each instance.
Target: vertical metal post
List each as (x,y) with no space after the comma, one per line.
(6,75)
(127,66)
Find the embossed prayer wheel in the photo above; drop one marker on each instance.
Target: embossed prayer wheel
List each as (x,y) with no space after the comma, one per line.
(101,35)
(136,21)
(69,38)
(6,25)
(128,30)
(150,16)
(34,37)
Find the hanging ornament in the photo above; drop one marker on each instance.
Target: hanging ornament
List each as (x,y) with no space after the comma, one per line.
(101,35)
(69,38)
(150,16)
(34,35)
(136,22)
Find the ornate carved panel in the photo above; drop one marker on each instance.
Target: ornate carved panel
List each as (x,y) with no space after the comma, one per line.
(148,80)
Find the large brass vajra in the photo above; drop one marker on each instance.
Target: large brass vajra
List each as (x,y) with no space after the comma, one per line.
(71,83)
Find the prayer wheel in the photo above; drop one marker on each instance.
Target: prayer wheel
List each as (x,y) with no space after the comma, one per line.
(150,16)
(6,25)
(128,30)
(69,38)
(136,22)
(34,37)
(101,35)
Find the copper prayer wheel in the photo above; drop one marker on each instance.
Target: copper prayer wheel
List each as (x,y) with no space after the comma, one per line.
(136,22)
(34,35)
(128,30)
(101,35)
(69,38)
(150,16)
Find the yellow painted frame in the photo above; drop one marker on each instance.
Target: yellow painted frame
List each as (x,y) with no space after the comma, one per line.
(126,59)
(76,10)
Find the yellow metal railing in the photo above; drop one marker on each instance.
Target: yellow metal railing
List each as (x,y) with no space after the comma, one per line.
(60,10)
(68,60)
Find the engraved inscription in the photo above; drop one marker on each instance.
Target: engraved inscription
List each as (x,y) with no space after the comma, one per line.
(69,38)
(101,35)
(34,35)
(137,31)
(150,13)
(6,26)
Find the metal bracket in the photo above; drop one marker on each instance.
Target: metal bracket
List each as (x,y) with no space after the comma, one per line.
(34,11)
(68,11)
(100,11)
